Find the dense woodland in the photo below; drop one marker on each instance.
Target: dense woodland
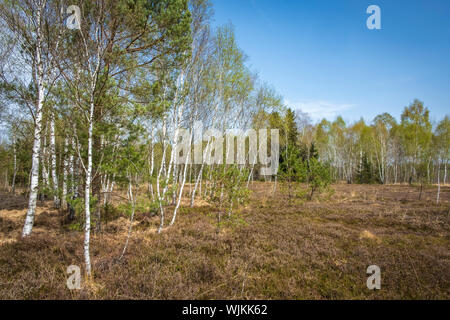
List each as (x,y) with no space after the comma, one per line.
(90,111)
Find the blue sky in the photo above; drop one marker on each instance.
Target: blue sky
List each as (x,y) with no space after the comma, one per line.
(322,58)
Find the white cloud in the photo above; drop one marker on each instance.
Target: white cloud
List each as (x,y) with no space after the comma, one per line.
(319,109)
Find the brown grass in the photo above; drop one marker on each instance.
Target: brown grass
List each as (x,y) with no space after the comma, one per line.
(272,249)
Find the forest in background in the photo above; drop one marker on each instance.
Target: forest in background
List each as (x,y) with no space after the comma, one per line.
(90,111)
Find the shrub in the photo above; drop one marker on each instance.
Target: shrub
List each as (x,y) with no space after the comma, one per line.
(318,176)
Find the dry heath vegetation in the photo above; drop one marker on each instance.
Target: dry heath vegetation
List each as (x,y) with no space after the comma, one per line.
(272,248)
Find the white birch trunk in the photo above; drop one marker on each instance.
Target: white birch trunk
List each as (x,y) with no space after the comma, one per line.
(34,179)
(45,177)
(113,182)
(178,112)
(105,188)
(438,181)
(87,192)
(71,168)
(182,184)
(445,172)
(53,157)
(197,181)
(200,174)
(152,165)
(163,159)
(65,169)
(250,175)
(13,184)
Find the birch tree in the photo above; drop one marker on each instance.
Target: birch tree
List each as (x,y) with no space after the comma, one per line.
(29,28)
(116,40)
(441,146)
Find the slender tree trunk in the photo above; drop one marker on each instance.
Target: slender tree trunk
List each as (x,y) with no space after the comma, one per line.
(438,181)
(87,192)
(166,187)
(105,188)
(182,183)
(53,157)
(71,168)
(152,164)
(45,177)
(174,181)
(34,179)
(445,172)
(160,196)
(395,173)
(72,186)
(312,193)
(113,182)
(179,197)
(133,205)
(197,182)
(65,175)
(6,180)
(199,187)
(190,180)
(250,175)
(13,184)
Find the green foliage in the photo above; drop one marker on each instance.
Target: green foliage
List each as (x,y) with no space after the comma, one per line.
(78,206)
(228,189)
(441,139)
(142,205)
(319,176)
(296,168)
(416,130)
(366,172)
(292,167)
(313,152)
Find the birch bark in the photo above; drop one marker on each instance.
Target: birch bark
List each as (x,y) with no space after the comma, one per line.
(56,199)
(439,182)
(13,184)
(39,75)
(65,169)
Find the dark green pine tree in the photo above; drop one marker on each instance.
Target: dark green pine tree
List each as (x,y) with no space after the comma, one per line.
(313,152)
(366,172)
(291,128)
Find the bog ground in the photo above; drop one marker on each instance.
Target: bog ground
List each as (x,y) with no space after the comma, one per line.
(274,248)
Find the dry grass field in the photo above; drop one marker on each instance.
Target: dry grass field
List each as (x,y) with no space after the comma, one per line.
(274,248)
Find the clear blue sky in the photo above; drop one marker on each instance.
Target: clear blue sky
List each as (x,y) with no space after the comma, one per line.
(322,58)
